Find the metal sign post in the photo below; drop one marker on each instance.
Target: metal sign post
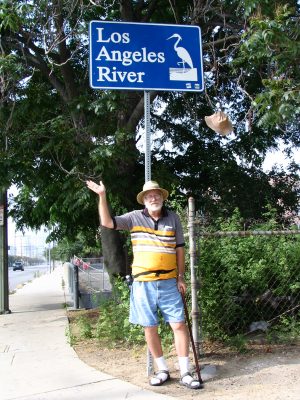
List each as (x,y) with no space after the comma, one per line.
(148,178)
(147,136)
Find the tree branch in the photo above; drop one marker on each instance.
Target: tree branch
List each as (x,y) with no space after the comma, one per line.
(220,42)
(64,54)
(38,62)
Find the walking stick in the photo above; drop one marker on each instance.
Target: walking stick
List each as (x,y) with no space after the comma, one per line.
(192,339)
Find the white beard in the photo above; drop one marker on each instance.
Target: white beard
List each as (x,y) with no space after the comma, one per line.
(154,207)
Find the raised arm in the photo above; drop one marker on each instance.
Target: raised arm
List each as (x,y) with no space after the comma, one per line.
(104,214)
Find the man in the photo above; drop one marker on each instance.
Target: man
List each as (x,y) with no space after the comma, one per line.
(158,272)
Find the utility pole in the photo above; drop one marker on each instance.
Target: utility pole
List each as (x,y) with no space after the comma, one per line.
(4,292)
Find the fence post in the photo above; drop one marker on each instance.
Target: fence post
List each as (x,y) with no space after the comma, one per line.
(149,362)
(76,287)
(194,284)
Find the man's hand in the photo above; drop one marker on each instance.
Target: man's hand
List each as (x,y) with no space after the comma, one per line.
(99,189)
(104,214)
(181,285)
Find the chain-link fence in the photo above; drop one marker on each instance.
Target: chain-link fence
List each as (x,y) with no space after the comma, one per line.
(246,282)
(89,281)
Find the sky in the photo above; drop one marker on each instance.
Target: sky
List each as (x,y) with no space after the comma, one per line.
(28,243)
(277,157)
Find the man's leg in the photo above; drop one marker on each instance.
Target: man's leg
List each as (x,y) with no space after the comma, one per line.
(153,341)
(181,339)
(154,345)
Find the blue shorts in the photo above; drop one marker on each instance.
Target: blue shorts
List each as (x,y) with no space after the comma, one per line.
(147,298)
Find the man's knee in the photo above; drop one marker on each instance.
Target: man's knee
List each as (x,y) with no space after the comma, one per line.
(150,330)
(178,326)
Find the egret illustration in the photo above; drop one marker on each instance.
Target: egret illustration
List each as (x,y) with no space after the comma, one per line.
(182,53)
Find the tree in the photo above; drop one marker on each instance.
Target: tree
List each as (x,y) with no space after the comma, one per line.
(271,47)
(45,41)
(59,132)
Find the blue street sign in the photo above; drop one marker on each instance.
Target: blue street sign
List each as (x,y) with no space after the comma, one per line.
(128,55)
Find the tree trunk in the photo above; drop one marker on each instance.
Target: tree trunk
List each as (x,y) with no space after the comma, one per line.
(114,252)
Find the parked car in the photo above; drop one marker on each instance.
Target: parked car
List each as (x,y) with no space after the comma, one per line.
(18,265)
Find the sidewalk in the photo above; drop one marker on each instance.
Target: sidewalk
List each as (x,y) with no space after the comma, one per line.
(36,361)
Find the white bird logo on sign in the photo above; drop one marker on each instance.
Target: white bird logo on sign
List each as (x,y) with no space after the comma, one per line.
(182,53)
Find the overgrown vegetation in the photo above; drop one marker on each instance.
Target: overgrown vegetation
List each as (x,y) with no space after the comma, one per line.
(111,325)
(248,279)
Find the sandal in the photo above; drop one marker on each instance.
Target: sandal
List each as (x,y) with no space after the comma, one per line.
(160,380)
(191,384)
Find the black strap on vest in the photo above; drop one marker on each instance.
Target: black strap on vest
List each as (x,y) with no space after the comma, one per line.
(156,272)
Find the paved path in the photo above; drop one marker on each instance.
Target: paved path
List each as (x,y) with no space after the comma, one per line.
(36,361)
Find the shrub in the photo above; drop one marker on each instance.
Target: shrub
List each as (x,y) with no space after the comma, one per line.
(247,279)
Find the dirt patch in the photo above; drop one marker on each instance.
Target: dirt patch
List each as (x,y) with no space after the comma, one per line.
(264,372)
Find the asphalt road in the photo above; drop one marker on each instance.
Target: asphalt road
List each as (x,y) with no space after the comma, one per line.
(16,278)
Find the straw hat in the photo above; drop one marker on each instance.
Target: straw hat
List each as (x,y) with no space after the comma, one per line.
(151,185)
(219,122)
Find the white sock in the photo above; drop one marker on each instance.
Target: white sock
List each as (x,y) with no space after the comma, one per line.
(184,365)
(161,364)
